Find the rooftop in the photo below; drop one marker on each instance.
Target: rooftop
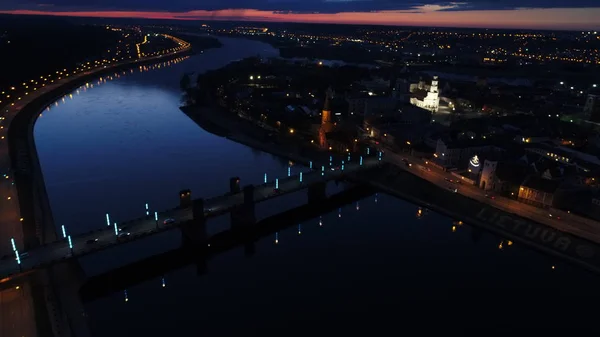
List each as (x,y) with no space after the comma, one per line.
(541,184)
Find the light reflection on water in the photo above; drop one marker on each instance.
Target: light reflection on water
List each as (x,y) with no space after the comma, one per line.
(124,142)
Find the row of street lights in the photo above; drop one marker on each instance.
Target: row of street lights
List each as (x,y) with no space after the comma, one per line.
(35,84)
(147,207)
(70,241)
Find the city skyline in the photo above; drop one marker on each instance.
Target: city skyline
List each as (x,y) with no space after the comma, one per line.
(527,14)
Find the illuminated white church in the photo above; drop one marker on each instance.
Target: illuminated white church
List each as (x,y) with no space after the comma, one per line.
(426,96)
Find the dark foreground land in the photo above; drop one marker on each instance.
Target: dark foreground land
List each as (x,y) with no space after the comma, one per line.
(36,46)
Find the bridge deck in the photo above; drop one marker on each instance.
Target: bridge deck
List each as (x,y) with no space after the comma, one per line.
(59,251)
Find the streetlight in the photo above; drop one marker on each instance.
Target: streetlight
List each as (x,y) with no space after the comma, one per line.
(300,176)
(156,218)
(70,243)
(107,220)
(18,258)
(116,230)
(276,183)
(64,231)
(147,211)
(265,178)
(289,171)
(361,161)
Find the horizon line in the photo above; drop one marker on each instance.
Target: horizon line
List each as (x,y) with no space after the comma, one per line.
(437,19)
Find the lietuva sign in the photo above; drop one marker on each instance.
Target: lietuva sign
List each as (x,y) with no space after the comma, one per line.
(541,235)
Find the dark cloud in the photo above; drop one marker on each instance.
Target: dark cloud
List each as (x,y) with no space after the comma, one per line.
(290,6)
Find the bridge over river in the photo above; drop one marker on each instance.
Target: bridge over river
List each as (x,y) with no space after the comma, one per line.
(189,216)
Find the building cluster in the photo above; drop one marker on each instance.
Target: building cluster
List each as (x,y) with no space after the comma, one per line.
(493,135)
(543,162)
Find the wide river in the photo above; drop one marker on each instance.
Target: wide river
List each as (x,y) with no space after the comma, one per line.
(371,266)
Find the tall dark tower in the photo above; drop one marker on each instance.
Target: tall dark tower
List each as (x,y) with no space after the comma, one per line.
(326,124)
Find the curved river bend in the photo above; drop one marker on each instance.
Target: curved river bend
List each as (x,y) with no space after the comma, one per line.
(124,142)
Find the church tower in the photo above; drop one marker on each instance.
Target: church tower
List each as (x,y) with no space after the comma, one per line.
(434,85)
(326,124)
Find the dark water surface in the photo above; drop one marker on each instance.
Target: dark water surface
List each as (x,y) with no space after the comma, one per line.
(371,266)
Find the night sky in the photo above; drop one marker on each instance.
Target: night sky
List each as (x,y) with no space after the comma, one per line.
(543,14)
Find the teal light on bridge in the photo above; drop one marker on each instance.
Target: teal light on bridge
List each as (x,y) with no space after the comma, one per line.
(12,241)
(368,151)
(310,164)
(277,183)
(380,154)
(342,165)
(18,258)
(361,161)
(116,229)
(107,220)
(64,231)
(155,216)
(300,176)
(330,159)
(70,242)
(265,178)
(289,171)
(322,170)
(147,212)
(348,158)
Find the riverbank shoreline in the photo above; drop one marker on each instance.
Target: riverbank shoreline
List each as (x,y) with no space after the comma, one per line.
(37,221)
(402,184)
(541,237)
(244,132)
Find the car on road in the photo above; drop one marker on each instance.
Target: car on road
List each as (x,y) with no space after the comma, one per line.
(123,235)
(169,221)
(493,197)
(453,189)
(91,241)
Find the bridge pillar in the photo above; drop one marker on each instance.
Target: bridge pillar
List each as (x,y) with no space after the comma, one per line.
(185,198)
(61,285)
(193,232)
(317,192)
(243,215)
(234,185)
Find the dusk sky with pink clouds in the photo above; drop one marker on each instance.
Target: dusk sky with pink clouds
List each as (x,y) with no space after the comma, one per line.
(533,14)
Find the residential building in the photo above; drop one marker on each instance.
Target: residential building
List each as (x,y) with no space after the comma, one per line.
(538,191)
